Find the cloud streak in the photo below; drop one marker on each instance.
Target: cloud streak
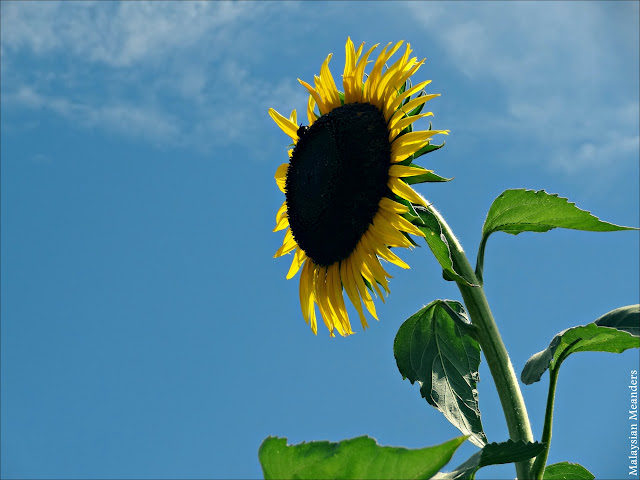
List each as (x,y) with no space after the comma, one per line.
(164,71)
(560,67)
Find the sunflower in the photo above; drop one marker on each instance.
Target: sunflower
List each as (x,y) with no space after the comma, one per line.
(347,183)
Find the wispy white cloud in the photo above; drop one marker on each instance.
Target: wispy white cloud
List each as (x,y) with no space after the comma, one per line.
(122,34)
(124,119)
(184,73)
(171,73)
(560,68)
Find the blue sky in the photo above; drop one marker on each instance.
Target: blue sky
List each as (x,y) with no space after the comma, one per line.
(147,332)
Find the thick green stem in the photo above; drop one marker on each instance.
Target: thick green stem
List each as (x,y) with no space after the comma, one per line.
(495,353)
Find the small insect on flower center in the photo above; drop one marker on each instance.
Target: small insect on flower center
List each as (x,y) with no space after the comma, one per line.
(338,173)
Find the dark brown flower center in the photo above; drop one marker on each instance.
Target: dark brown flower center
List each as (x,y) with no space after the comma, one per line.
(338,173)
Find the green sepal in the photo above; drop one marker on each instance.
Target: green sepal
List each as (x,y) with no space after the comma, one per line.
(418,109)
(408,87)
(403,88)
(428,148)
(430,226)
(426,177)
(411,215)
(356,458)
(371,289)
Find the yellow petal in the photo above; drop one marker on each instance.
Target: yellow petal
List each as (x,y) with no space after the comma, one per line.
(382,250)
(285,124)
(281,176)
(413,137)
(349,284)
(288,244)
(406,109)
(407,93)
(402,123)
(406,171)
(409,69)
(373,262)
(282,211)
(337,300)
(403,190)
(387,234)
(394,77)
(400,223)
(298,259)
(360,255)
(348,77)
(392,206)
(362,63)
(332,319)
(321,297)
(329,85)
(389,75)
(362,289)
(282,223)
(316,96)
(311,115)
(306,290)
(376,73)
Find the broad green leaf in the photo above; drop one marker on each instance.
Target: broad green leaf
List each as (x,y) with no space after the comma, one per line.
(357,458)
(432,349)
(517,211)
(567,471)
(493,454)
(429,224)
(614,332)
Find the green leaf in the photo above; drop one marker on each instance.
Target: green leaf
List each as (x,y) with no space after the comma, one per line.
(567,471)
(517,211)
(434,350)
(357,458)
(428,176)
(429,224)
(493,454)
(614,332)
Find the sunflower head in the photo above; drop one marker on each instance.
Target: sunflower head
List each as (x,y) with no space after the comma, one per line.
(347,183)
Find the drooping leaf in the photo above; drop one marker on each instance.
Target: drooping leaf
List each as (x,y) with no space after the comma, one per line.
(429,224)
(493,454)
(356,458)
(567,471)
(614,332)
(517,211)
(432,349)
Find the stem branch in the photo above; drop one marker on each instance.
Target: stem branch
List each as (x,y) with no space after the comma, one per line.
(537,470)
